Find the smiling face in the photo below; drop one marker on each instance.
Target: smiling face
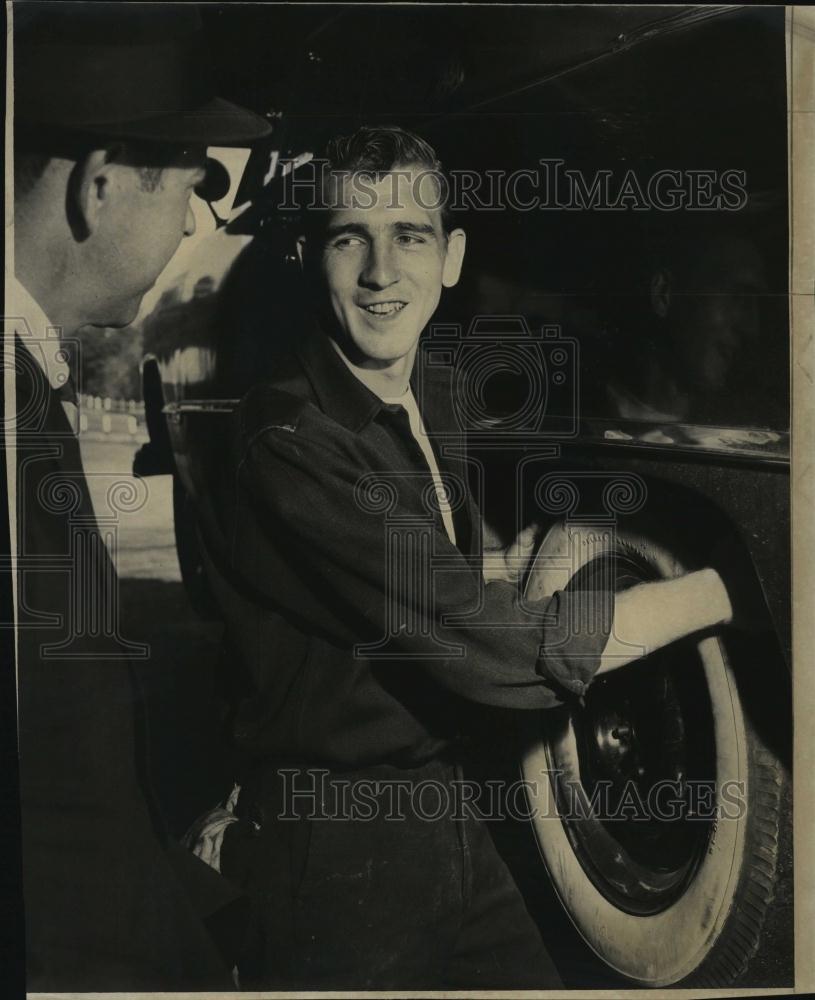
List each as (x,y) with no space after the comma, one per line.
(383,260)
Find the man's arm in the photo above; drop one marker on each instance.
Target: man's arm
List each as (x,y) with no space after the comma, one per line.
(652,615)
(307,544)
(646,617)
(309,548)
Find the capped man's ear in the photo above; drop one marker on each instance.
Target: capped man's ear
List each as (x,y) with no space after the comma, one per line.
(90,189)
(661,289)
(454,258)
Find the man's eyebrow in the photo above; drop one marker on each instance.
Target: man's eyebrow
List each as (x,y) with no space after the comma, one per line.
(421,228)
(345,228)
(358,229)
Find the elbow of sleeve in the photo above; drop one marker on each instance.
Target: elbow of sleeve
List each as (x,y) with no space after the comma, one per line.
(573,645)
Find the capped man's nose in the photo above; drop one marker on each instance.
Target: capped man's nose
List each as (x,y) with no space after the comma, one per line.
(215,183)
(189,222)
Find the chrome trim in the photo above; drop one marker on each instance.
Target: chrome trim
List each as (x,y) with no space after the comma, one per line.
(748,443)
(175,411)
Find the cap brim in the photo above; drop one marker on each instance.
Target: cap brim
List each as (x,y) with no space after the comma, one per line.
(216,123)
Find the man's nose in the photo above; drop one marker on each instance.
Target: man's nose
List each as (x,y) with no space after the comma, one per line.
(189,222)
(380,267)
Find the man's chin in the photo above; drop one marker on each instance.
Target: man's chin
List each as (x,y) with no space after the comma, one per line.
(384,358)
(389,343)
(123,317)
(376,348)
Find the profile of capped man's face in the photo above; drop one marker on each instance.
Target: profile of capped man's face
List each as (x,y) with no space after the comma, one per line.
(382,259)
(112,217)
(141,219)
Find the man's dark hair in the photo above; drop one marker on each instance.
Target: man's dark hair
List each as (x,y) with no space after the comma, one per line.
(379,150)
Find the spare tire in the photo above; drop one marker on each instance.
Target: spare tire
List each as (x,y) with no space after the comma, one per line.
(655,801)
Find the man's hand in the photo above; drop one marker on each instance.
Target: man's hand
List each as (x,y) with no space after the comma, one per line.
(735,569)
(652,615)
(510,563)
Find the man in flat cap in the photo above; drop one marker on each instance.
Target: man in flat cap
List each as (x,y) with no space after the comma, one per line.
(113,115)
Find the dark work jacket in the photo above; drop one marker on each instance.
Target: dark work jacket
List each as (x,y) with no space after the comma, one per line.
(355,626)
(105,908)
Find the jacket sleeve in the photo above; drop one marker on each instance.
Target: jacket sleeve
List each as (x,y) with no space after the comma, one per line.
(318,537)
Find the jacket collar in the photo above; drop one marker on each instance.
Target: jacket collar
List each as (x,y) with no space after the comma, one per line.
(341,396)
(39,335)
(344,398)
(339,392)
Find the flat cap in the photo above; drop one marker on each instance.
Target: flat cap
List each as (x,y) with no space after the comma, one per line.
(122,70)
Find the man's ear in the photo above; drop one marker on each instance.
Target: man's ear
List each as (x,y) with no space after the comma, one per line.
(90,189)
(661,289)
(451,271)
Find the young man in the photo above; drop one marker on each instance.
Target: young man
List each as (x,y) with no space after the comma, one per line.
(353,664)
(112,120)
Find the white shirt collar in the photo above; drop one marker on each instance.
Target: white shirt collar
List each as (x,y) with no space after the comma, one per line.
(40,337)
(397,400)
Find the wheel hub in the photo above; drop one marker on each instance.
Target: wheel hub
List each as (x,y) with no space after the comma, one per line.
(641,737)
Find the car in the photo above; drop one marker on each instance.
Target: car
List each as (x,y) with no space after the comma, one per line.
(640,398)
